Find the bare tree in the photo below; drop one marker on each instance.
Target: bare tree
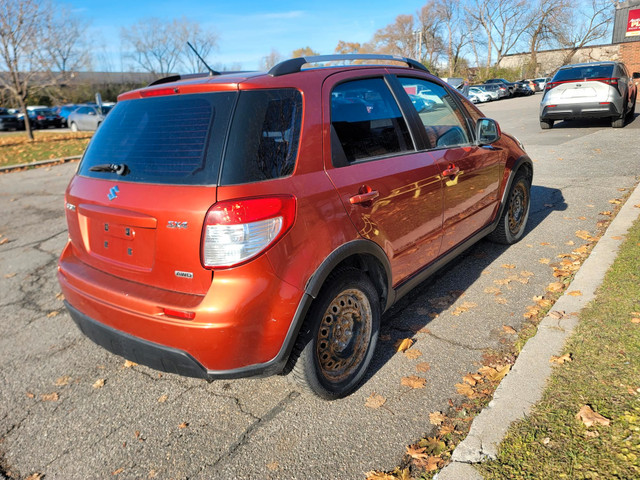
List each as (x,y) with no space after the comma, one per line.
(63,43)
(430,41)
(457,36)
(348,47)
(503,22)
(398,38)
(270,60)
(582,24)
(159,46)
(21,25)
(543,27)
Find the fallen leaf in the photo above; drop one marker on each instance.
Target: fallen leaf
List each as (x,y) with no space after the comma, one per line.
(60,382)
(561,360)
(374,475)
(508,329)
(98,383)
(508,265)
(30,395)
(152,474)
(558,314)
(570,243)
(501,300)
(635,320)
(617,238)
(544,261)
(163,398)
(637,206)
(492,290)
(531,312)
(273,466)
(413,381)
(575,293)
(555,287)
(436,418)
(501,372)
(50,397)
(10,275)
(466,390)
(375,401)
(183,425)
(465,307)
(446,429)
(590,434)
(583,250)
(582,218)
(433,463)
(118,471)
(35,476)
(433,446)
(590,418)
(423,367)
(615,201)
(413,354)
(60,296)
(403,345)
(52,314)
(3,241)
(606,212)
(527,273)
(129,364)
(416,452)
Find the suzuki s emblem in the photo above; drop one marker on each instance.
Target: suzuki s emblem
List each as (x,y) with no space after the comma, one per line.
(113,192)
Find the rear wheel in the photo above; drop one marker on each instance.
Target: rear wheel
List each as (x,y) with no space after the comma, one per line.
(618,122)
(632,111)
(514,217)
(339,336)
(546,124)
(73,127)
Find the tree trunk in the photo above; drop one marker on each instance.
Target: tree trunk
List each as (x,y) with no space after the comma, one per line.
(27,123)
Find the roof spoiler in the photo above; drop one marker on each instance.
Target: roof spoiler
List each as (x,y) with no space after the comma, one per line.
(294,65)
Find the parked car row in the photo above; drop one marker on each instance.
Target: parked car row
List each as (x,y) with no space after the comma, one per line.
(75,116)
(498,88)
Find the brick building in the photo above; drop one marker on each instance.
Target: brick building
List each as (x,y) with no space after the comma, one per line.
(624,46)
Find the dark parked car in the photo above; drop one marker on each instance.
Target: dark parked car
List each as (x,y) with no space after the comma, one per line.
(254,223)
(10,121)
(87,117)
(510,85)
(523,89)
(44,118)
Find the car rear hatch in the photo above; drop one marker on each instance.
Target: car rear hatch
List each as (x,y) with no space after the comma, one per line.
(136,207)
(582,84)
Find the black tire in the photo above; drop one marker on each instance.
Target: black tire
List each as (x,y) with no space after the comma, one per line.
(338,337)
(546,124)
(632,112)
(514,217)
(618,122)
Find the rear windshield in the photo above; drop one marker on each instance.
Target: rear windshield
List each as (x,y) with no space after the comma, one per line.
(584,72)
(174,139)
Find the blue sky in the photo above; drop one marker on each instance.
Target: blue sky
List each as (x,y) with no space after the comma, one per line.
(247,30)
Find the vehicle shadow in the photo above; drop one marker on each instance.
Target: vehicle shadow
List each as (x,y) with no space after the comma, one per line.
(400,321)
(589,123)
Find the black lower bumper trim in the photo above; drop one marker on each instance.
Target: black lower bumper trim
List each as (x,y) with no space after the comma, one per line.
(153,355)
(577,111)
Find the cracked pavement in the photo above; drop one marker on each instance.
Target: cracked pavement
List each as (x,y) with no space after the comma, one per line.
(146,424)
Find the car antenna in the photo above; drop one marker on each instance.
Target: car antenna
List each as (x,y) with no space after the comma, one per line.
(211,70)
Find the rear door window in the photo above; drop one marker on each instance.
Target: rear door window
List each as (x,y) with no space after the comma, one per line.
(264,136)
(366,122)
(175,139)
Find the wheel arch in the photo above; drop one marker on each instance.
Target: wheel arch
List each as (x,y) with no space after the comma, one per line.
(364,255)
(521,164)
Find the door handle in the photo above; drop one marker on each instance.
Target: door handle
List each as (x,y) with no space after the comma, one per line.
(364,197)
(452,171)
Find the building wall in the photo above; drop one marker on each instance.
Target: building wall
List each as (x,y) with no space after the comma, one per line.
(630,55)
(550,60)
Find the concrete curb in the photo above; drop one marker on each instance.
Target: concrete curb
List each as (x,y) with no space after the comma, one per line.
(39,163)
(523,386)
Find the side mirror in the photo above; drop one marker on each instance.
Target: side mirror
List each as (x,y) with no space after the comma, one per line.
(487,131)
(636,75)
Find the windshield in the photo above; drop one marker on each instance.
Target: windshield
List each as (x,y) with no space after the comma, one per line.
(583,72)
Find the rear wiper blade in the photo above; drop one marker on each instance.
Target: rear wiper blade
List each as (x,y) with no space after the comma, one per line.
(119,168)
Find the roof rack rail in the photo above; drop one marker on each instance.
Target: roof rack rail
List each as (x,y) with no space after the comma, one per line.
(294,65)
(175,78)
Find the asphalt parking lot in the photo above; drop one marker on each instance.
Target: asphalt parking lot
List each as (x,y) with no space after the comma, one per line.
(69,409)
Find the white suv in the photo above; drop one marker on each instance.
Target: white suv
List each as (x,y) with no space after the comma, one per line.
(589,90)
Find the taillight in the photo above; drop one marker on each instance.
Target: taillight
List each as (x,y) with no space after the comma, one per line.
(549,85)
(236,231)
(40,117)
(159,91)
(611,81)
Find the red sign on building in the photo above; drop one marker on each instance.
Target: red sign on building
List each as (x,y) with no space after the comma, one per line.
(633,23)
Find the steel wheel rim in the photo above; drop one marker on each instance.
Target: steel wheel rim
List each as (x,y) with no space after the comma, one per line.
(517,208)
(344,335)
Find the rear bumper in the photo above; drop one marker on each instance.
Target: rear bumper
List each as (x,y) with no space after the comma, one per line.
(582,110)
(244,326)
